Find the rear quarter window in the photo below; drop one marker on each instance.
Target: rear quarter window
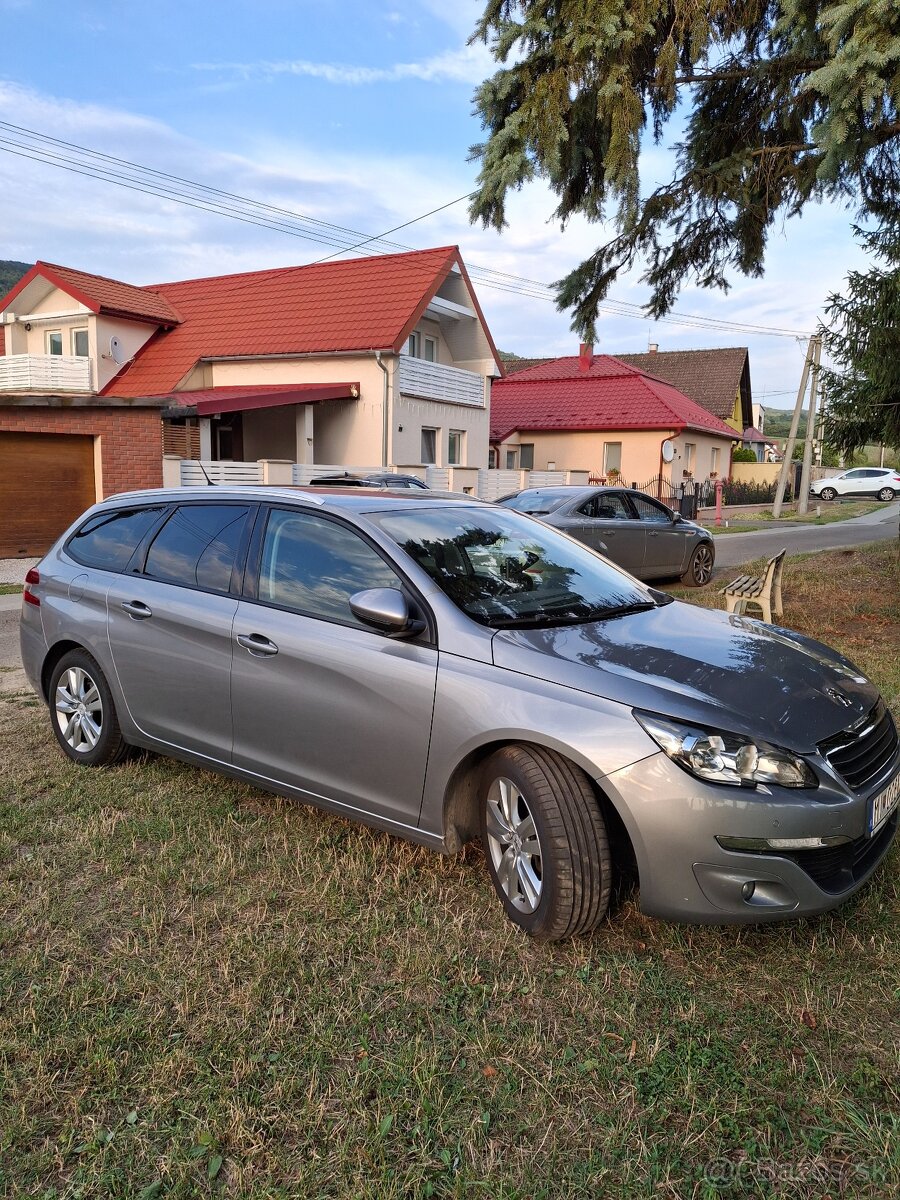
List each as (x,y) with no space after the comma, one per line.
(108,539)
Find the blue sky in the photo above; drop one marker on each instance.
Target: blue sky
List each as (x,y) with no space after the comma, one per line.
(358,114)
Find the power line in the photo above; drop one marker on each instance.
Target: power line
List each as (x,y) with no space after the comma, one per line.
(94,164)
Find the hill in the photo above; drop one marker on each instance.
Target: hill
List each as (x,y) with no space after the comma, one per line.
(11,272)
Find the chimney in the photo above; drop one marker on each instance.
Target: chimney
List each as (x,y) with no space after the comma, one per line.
(585,356)
(653,347)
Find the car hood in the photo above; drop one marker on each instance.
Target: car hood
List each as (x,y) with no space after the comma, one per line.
(700,665)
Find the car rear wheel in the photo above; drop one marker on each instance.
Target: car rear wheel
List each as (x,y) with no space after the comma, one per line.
(886,494)
(82,712)
(700,567)
(545,842)
(828,493)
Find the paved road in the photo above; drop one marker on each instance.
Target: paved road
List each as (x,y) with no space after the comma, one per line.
(878,526)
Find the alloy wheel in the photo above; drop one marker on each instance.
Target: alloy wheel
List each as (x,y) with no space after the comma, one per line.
(886,494)
(514,845)
(702,566)
(79,710)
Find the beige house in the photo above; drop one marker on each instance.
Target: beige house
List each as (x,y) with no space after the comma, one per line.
(596,413)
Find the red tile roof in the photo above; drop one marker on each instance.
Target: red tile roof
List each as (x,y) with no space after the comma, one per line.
(610,395)
(361,304)
(710,377)
(101,295)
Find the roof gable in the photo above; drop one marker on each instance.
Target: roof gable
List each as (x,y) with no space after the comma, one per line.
(362,304)
(99,294)
(610,394)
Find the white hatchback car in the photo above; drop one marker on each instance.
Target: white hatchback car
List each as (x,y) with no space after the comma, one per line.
(880,482)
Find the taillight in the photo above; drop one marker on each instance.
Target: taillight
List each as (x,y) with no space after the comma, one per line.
(32,579)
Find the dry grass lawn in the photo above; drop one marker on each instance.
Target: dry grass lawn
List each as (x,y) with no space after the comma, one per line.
(205,990)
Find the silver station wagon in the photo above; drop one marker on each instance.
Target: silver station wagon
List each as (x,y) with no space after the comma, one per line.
(446,669)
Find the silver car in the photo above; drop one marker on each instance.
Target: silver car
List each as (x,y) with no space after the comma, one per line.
(447,669)
(639,533)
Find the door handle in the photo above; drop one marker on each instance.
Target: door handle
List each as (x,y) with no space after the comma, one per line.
(136,610)
(258,646)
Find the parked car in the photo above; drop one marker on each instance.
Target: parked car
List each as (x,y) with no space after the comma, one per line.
(444,669)
(377,479)
(639,533)
(880,482)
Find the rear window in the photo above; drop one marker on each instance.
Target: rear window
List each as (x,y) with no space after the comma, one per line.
(537,502)
(108,539)
(197,546)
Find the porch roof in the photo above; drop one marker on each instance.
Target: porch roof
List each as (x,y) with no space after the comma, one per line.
(206,401)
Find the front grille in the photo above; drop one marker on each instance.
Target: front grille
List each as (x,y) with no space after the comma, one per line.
(836,868)
(861,753)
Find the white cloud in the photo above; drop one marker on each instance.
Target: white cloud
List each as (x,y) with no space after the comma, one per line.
(468,64)
(51,214)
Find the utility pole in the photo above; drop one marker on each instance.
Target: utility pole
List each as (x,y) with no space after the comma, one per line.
(795,422)
(803,498)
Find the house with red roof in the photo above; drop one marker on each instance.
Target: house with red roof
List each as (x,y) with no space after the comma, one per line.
(384,360)
(597,413)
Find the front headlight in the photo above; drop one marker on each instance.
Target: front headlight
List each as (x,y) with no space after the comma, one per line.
(730,758)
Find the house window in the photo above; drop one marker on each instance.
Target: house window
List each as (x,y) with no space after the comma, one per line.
(612,457)
(429,446)
(455,447)
(526,456)
(714,461)
(80,343)
(54,342)
(492,458)
(423,347)
(690,454)
(512,460)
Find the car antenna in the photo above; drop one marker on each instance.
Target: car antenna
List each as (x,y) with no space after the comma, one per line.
(205,476)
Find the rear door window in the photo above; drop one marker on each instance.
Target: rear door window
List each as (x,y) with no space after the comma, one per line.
(198,546)
(108,539)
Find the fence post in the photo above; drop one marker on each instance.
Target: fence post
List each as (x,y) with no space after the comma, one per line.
(277,472)
(171,471)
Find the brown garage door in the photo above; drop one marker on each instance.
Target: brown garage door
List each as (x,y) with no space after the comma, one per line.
(46,480)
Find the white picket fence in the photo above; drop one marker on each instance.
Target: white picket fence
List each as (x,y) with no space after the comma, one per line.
(486,484)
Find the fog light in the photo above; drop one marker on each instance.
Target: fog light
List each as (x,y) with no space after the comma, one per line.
(764,845)
(748,889)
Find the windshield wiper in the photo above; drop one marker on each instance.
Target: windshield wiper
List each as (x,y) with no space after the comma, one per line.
(539,620)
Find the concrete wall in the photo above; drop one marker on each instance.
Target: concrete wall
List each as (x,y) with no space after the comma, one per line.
(704,444)
(583,451)
(755,472)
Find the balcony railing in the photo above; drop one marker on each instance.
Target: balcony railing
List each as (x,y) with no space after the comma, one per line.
(431,381)
(44,373)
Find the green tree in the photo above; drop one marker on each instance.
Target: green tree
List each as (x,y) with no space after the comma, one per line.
(782,103)
(743,455)
(862,340)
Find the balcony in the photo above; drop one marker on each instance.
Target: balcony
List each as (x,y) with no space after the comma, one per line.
(431,381)
(44,373)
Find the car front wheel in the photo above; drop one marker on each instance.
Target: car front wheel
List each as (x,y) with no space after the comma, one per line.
(545,842)
(828,493)
(700,567)
(82,712)
(886,494)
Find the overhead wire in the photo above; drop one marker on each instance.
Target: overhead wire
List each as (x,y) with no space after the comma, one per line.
(94,164)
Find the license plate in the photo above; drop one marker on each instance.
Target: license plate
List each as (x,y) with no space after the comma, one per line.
(884,804)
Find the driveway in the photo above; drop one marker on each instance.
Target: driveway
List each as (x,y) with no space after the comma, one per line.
(878,526)
(12,677)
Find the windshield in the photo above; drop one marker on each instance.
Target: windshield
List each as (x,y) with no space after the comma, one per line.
(542,500)
(504,569)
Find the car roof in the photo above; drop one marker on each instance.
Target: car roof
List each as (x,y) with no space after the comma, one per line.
(352,498)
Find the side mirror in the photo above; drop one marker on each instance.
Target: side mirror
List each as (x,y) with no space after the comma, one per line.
(387,610)
(677,519)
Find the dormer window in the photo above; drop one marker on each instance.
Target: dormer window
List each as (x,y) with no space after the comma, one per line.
(54,341)
(80,346)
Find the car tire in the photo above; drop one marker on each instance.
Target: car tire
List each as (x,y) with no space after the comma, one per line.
(545,842)
(886,494)
(82,712)
(700,568)
(828,494)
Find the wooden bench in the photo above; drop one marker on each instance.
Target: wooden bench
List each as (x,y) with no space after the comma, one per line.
(763,591)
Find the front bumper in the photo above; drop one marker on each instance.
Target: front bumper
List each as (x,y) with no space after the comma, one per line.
(685,875)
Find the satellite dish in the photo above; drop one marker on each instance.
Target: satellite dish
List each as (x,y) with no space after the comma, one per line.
(668,451)
(117,353)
